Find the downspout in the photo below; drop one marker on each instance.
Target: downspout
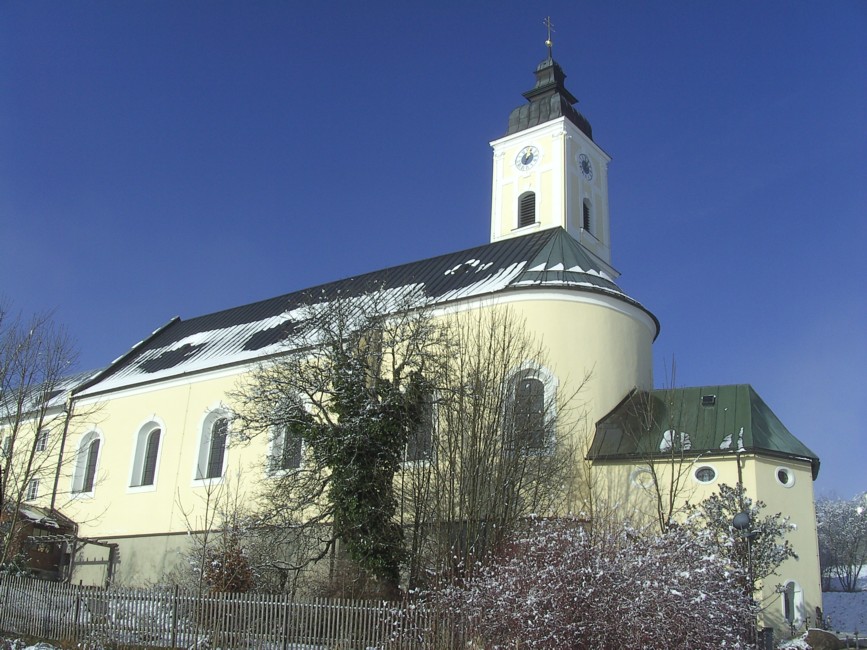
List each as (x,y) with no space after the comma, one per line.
(68,411)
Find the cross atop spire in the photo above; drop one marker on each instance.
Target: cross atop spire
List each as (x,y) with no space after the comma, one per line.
(548,42)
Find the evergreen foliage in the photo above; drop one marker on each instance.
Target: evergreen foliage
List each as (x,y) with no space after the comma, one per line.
(764,551)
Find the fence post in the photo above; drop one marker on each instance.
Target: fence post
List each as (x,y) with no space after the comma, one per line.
(77,610)
(285,621)
(6,597)
(175,617)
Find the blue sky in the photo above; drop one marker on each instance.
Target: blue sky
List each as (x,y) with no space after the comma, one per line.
(177,158)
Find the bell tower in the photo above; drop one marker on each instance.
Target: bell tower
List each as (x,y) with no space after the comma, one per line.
(548,171)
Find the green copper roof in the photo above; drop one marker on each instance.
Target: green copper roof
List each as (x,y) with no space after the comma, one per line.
(564,260)
(703,420)
(548,100)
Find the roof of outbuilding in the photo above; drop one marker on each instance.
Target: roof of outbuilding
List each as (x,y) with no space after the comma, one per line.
(45,396)
(544,259)
(704,419)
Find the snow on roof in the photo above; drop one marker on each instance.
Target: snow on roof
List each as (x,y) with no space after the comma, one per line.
(550,258)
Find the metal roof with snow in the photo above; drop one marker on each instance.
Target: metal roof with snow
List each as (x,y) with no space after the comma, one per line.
(707,419)
(546,259)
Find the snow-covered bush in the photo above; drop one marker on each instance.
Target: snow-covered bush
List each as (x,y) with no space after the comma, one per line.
(555,586)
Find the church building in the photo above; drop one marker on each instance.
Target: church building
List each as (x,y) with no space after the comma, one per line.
(157,428)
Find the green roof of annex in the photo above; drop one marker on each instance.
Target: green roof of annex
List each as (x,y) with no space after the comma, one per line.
(706,420)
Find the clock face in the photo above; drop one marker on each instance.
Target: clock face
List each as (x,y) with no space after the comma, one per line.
(586,167)
(526,158)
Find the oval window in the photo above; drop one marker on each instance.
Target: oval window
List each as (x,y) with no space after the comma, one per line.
(785,477)
(642,478)
(705,474)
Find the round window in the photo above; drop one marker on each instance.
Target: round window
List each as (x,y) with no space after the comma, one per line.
(642,478)
(785,477)
(705,474)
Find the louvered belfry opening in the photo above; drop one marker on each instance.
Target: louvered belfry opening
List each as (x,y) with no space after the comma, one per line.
(526,209)
(586,215)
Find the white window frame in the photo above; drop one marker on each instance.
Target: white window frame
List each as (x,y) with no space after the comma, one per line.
(139,446)
(588,226)
(535,222)
(797,603)
(42,439)
(81,456)
(32,489)
(698,468)
(203,454)
(275,452)
(550,384)
(788,470)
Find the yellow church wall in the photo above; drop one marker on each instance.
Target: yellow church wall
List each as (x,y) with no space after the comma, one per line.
(557,181)
(626,489)
(586,335)
(797,503)
(115,507)
(15,455)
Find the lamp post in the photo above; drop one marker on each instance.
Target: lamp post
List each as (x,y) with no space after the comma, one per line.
(742,522)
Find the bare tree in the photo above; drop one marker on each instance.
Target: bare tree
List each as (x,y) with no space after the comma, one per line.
(556,586)
(36,356)
(219,528)
(417,442)
(337,407)
(497,443)
(668,459)
(653,429)
(842,528)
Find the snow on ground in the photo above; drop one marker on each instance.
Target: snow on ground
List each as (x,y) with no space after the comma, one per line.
(18,644)
(848,612)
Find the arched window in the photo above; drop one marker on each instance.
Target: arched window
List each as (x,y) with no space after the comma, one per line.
(587,216)
(212,447)
(217,452)
(86,463)
(419,445)
(147,452)
(792,602)
(286,451)
(526,209)
(150,459)
(530,416)
(529,413)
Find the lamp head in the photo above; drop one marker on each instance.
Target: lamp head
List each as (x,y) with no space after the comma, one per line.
(741,521)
